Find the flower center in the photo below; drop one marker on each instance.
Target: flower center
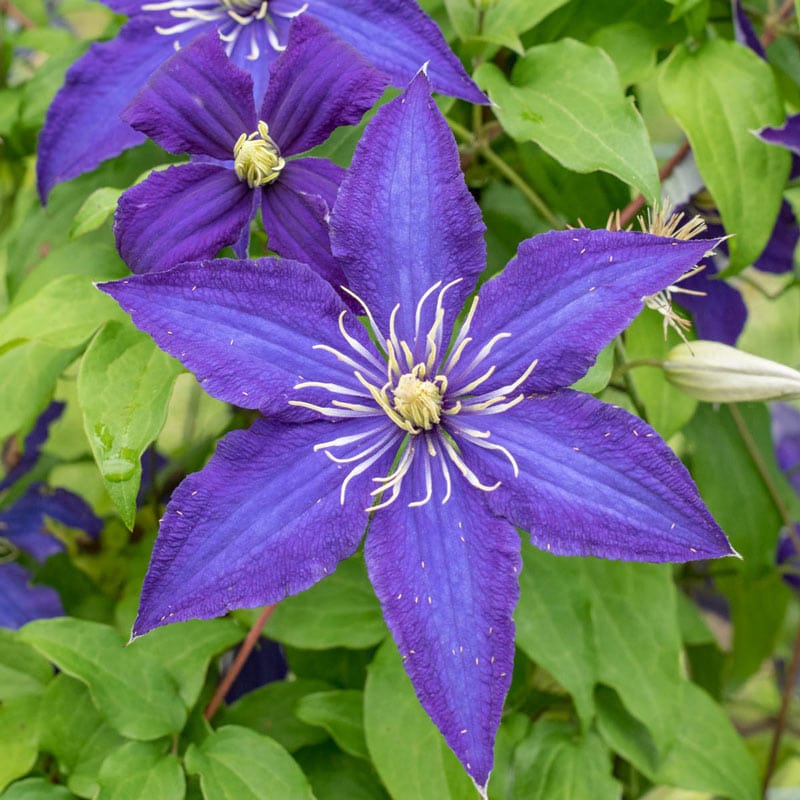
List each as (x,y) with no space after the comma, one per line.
(417,400)
(257,158)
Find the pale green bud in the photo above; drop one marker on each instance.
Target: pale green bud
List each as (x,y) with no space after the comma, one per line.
(717,373)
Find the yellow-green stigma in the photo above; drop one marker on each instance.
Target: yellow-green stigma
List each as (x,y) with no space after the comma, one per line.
(257,158)
(417,400)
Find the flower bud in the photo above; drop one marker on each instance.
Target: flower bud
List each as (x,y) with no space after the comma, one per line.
(717,373)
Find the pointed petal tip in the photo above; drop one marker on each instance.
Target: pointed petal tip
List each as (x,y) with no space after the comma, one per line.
(482,788)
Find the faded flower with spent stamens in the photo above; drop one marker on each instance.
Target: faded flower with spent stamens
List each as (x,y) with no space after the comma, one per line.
(440,437)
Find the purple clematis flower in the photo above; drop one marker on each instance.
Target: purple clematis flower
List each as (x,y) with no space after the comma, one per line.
(83,126)
(443,437)
(21,602)
(201,103)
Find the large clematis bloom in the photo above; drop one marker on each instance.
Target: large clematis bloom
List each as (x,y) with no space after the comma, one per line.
(83,125)
(200,103)
(442,436)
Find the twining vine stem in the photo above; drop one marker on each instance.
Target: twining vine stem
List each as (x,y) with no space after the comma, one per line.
(236,667)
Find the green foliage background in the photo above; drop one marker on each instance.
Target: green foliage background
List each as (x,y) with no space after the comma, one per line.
(623,686)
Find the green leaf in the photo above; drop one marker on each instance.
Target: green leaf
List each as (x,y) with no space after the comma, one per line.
(340,611)
(35,789)
(567,97)
(96,209)
(599,374)
(341,713)
(632,48)
(270,710)
(407,749)
(124,386)
(588,621)
(719,94)
(141,771)
(186,648)
(74,732)
(28,375)
(503,21)
(22,670)
(132,691)
(65,313)
(19,737)
(714,440)
(239,764)
(708,756)
(333,775)
(553,762)
(668,409)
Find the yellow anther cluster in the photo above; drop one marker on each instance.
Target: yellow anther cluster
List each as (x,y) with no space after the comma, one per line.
(257,158)
(417,400)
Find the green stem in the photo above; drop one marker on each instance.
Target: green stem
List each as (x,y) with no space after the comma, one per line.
(636,362)
(469,138)
(630,386)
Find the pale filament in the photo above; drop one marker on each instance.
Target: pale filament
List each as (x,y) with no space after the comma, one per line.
(408,389)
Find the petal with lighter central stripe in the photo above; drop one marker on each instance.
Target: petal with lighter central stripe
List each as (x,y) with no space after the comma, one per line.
(594,481)
(248,330)
(261,521)
(446,576)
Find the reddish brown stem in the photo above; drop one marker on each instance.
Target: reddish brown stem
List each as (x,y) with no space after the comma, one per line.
(238,662)
(7,7)
(783,714)
(772,28)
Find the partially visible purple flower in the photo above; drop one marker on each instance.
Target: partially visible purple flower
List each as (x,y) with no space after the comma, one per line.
(787,135)
(201,103)
(32,445)
(265,664)
(83,126)
(442,437)
(21,601)
(788,557)
(786,436)
(743,30)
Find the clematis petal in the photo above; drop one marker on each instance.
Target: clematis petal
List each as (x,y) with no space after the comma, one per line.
(20,602)
(404,218)
(317,84)
(743,29)
(197,102)
(786,436)
(594,481)
(247,329)
(295,216)
(24,523)
(180,214)
(788,135)
(398,38)
(32,446)
(566,295)
(261,521)
(446,576)
(83,126)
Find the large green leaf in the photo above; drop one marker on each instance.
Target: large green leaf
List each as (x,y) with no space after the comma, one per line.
(270,709)
(407,749)
(708,755)
(132,691)
(340,611)
(553,763)
(334,775)
(19,737)
(76,735)
(28,374)
(341,713)
(141,771)
(567,97)
(186,648)
(719,93)
(64,313)
(123,389)
(22,670)
(36,789)
(239,764)
(589,621)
